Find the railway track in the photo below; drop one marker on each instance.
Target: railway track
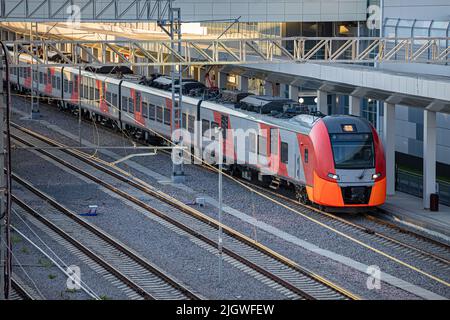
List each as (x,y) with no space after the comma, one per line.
(405,242)
(300,282)
(126,266)
(18,292)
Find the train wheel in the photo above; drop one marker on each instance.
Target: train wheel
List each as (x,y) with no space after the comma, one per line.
(302,195)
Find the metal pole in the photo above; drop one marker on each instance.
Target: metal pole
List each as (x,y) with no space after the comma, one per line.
(5,215)
(79,106)
(220,204)
(2,181)
(175,27)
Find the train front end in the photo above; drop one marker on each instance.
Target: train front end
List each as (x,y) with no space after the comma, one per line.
(350,167)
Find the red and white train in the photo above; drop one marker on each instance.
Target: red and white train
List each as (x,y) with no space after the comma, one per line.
(333,161)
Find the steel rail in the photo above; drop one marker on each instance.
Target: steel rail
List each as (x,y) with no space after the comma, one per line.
(20,290)
(191,212)
(88,252)
(365,229)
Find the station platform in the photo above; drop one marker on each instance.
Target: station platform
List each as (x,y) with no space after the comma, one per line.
(408,209)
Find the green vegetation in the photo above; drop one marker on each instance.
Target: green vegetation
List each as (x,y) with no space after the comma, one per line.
(45,263)
(51,276)
(24,250)
(71,290)
(15,239)
(105,297)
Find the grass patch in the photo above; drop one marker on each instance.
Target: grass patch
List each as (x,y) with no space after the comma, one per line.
(51,276)
(24,250)
(104,297)
(43,262)
(15,239)
(71,290)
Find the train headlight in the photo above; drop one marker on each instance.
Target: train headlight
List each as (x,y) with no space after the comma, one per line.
(333,176)
(376,176)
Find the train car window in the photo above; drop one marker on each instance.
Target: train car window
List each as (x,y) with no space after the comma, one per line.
(66,85)
(262,145)
(130,105)
(306,156)
(184,121)
(108,97)
(159,113)
(214,125)
(97,94)
(58,83)
(85,92)
(167,116)
(252,142)
(274,133)
(191,124)
(91,93)
(124,104)
(284,152)
(151,111)
(144,109)
(54,82)
(41,77)
(70,86)
(114,99)
(205,128)
(45,77)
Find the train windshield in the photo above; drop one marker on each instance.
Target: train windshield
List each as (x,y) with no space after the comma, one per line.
(353,151)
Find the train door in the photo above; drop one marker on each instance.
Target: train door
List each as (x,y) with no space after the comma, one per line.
(274,150)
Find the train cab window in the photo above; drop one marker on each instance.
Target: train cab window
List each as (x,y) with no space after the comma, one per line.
(151,111)
(306,156)
(124,104)
(159,113)
(66,85)
(284,152)
(191,124)
(262,145)
(252,142)
(167,116)
(205,128)
(114,99)
(130,105)
(353,151)
(144,109)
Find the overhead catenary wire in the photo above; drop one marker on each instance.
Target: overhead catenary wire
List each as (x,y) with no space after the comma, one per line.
(212,167)
(87,290)
(26,274)
(85,287)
